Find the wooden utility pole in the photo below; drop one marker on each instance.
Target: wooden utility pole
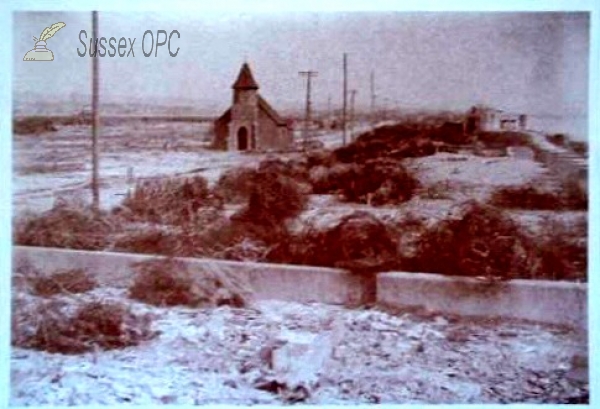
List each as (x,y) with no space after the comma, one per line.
(372,97)
(95,117)
(345,97)
(308,74)
(352,95)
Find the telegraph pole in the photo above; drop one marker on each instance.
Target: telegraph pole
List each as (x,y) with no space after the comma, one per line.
(352,95)
(95,117)
(372,97)
(308,74)
(345,99)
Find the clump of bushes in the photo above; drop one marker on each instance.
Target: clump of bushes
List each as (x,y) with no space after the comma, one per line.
(169,201)
(33,125)
(525,197)
(51,326)
(149,240)
(530,197)
(377,182)
(274,198)
(235,184)
(393,141)
(380,182)
(360,243)
(69,281)
(562,252)
(66,225)
(478,240)
(167,282)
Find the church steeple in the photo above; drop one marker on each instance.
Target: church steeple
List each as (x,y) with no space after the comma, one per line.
(245,80)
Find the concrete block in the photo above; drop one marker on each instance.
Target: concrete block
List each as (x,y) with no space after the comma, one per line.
(269,281)
(551,302)
(301,359)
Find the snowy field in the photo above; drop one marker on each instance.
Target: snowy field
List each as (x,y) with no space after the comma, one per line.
(58,164)
(220,355)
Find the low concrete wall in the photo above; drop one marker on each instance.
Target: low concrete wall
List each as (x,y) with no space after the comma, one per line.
(552,302)
(269,281)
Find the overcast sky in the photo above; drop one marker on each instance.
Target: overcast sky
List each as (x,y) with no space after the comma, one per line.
(522,62)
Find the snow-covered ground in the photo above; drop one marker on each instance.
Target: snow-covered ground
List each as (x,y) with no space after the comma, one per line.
(127,153)
(216,355)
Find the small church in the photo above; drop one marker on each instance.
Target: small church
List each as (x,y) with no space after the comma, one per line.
(251,123)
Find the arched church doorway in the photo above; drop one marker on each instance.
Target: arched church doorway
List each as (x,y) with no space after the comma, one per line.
(242,139)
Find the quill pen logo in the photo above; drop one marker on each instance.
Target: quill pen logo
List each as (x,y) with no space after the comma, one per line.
(40,52)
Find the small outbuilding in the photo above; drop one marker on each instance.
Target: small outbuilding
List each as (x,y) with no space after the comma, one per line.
(251,123)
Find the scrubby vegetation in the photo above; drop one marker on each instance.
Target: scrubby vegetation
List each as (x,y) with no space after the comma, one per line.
(69,281)
(33,125)
(274,198)
(167,282)
(235,184)
(526,197)
(570,197)
(148,240)
(66,225)
(360,243)
(393,141)
(482,240)
(182,217)
(369,170)
(169,201)
(55,326)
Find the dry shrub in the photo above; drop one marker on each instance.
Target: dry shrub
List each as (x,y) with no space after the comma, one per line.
(562,252)
(69,281)
(377,182)
(480,240)
(216,237)
(33,125)
(525,197)
(393,141)
(225,238)
(274,198)
(532,198)
(296,169)
(332,179)
(51,326)
(321,157)
(66,225)
(574,195)
(168,282)
(235,184)
(360,243)
(169,201)
(245,250)
(380,182)
(151,240)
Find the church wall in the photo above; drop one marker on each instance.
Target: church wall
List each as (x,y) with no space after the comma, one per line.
(272,136)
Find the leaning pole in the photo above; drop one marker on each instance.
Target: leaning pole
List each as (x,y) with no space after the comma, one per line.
(95,116)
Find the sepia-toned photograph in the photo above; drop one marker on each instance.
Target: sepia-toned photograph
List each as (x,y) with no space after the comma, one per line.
(277,207)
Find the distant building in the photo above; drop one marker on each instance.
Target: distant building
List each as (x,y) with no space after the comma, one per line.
(251,123)
(485,119)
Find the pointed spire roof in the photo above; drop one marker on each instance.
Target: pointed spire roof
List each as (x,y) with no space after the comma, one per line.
(245,80)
